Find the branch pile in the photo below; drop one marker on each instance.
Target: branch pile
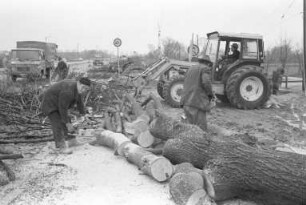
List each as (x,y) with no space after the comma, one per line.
(20,118)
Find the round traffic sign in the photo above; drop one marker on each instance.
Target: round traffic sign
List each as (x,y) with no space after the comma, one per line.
(195,50)
(117,42)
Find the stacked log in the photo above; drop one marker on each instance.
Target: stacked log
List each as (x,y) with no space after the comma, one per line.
(235,169)
(158,167)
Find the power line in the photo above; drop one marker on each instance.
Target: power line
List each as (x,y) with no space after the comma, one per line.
(288,8)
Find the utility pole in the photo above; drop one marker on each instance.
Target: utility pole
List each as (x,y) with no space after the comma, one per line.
(159,43)
(304,45)
(190,48)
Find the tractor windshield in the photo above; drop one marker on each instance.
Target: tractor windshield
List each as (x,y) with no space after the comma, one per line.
(211,49)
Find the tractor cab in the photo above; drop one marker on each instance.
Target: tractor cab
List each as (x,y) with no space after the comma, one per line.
(236,71)
(228,51)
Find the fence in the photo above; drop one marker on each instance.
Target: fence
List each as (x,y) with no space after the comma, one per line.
(286,79)
(79,66)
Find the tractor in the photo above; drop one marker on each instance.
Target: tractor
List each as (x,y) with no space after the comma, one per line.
(242,82)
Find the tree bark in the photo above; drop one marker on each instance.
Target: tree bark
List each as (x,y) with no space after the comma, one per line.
(235,168)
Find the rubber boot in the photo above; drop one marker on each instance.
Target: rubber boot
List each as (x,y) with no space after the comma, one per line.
(73,143)
(65,150)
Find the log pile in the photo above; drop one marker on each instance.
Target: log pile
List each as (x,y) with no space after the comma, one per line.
(236,169)
(127,132)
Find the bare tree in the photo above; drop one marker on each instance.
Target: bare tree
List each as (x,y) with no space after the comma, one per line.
(284,52)
(173,49)
(299,57)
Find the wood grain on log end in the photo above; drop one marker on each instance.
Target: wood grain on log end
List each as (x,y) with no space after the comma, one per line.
(159,168)
(186,189)
(145,139)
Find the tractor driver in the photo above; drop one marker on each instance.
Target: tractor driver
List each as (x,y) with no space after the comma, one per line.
(228,59)
(235,54)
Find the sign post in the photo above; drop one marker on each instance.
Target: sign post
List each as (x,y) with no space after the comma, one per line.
(194,50)
(117,43)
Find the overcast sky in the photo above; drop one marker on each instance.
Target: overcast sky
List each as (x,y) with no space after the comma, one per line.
(93,24)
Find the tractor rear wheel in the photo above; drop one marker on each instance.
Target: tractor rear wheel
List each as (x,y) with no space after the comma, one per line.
(248,88)
(172,91)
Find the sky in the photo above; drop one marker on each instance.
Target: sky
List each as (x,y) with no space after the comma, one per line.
(77,25)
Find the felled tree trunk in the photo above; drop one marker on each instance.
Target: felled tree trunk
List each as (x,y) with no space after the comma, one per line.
(235,168)
(158,167)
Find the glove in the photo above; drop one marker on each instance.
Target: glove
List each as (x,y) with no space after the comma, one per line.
(69,127)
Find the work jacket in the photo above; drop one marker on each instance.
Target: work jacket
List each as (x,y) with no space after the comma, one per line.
(197,88)
(61,71)
(60,97)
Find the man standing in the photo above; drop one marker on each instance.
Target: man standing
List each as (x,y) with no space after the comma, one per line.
(277,78)
(61,70)
(197,94)
(57,99)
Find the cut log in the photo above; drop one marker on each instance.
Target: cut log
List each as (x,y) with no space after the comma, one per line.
(158,167)
(138,131)
(155,166)
(187,189)
(138,126)
(235,168)
(199,176)
(136,107)
(145,139)
(110,139)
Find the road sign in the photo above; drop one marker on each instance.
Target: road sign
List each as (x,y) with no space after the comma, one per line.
(117,42)
(195,50)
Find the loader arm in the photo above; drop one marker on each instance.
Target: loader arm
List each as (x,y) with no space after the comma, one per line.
(154,71)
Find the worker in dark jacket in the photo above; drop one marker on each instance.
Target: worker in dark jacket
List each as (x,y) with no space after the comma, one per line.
(197,94)
(57,99)
(61,70)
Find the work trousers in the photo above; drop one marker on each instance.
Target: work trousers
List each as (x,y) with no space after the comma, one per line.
(59,129)
(196,117)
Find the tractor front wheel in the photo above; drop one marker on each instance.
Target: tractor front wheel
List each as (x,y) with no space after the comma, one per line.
(172,91)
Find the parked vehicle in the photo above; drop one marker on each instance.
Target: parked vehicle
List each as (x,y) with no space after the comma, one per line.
(32,58)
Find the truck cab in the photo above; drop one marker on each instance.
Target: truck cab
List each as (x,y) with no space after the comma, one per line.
(32,59)
(25,61)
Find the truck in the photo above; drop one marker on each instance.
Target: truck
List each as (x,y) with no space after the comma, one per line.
(32,58)
(243,83)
